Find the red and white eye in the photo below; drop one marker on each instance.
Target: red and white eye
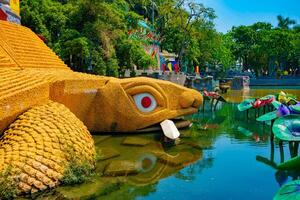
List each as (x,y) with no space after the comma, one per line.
(145,102)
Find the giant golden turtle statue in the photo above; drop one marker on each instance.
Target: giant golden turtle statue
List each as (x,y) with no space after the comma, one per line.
(47,111)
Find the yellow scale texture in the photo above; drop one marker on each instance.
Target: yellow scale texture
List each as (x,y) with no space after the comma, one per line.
(25,47)
(30,73)
(5,61)
(37,146)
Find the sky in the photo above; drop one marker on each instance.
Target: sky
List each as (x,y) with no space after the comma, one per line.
(246,12)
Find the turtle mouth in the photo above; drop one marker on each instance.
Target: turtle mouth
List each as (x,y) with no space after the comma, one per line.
(180,123)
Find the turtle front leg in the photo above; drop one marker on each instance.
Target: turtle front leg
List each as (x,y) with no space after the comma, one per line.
(40,144)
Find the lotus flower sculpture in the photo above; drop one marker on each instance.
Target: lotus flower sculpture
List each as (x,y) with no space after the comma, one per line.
(285,98)
(256,103)
(213,95)
(282,110)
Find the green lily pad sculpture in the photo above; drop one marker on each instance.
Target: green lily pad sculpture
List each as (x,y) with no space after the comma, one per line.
(287,128)
(270,96)
(276,104)
(295,108)
(268,116)
(282,110)
(246,104)
(289,191)
(256,103)
(291,164)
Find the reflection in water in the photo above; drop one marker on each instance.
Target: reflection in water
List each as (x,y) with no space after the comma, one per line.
(260,133)
(190,172)
(138,162)
(218,151)
(237,96)
(281,176)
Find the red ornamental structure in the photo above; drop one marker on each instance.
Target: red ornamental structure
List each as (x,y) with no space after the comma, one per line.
(9,11)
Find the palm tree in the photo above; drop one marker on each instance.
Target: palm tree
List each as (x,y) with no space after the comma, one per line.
(284,23)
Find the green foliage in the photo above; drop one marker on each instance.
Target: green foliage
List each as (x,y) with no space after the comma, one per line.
(263,47)
(110,188)
(132,73)
(45,17)
(92,36)
(132,53)
(8,185)
(186,28)
(77,172)
(86,33)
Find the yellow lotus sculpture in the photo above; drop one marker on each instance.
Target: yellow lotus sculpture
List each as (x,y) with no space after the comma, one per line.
(47,110)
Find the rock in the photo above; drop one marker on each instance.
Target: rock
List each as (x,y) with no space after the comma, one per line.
(99,139)
(135,141)
(121,168)
(107,153)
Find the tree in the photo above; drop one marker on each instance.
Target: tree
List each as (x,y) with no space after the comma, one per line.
(178,25)
(45,17)
(132,53)
(264,48)
(86,33)
(284,23)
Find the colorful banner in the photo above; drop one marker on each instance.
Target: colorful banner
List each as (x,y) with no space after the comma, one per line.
(197,70)
(15,6)
(169,67)
(166,65)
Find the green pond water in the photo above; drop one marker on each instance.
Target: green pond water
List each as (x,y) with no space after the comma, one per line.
(222,156)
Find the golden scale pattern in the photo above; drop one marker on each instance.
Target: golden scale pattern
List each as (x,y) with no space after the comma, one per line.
(24,58)
(5,61)
(38,143)
(14,81)
(38,146)
(26,47)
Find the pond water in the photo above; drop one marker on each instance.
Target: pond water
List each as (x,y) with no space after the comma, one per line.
(222,156)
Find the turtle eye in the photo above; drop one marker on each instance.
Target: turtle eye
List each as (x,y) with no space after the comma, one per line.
(145,102)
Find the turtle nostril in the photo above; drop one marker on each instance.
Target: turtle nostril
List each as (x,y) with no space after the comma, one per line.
(198,100)
(186,100)
(190,98)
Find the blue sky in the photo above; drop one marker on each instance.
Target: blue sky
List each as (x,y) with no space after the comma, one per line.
(246,12)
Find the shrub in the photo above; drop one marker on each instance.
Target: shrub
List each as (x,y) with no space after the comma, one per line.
(8,185)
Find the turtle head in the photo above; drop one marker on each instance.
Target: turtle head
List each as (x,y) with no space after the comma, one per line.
(125,105)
